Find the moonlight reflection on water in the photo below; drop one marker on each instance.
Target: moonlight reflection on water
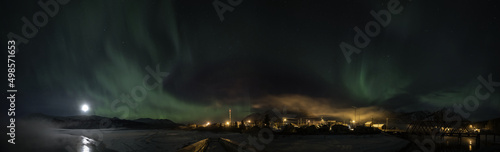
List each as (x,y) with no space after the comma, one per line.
(86,143)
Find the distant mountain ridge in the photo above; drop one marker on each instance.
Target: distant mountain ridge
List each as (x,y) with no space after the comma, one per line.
(99,122)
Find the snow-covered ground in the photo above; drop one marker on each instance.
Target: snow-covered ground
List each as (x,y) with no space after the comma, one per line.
(158,140)
(322,143)
(171,140)
(143,140)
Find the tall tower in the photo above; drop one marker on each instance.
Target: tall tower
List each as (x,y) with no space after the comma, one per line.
(230,115)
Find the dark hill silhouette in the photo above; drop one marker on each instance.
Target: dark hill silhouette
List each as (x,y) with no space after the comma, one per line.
(99,122)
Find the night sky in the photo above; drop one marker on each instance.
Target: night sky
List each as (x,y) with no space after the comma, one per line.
(264,54)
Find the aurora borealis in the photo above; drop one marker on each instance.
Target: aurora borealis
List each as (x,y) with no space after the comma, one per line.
(264,54)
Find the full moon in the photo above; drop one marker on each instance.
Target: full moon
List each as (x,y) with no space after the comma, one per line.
(85,108)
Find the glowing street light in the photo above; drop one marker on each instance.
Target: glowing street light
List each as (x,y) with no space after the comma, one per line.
(354,115)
